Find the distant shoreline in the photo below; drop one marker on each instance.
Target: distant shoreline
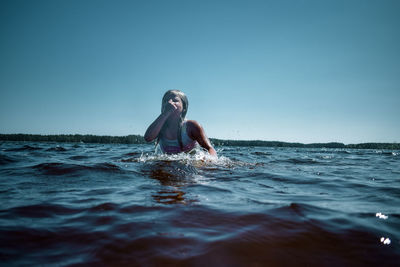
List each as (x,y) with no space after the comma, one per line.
(138,139)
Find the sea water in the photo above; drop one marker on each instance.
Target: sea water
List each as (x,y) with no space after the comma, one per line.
(72,204)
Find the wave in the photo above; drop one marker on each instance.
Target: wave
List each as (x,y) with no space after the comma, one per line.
(305,161)
(78,157)
(113,234)
(4,160)
(44,210)
(23,148)
(57,149)
(132,154)
(58,168)
(260,153)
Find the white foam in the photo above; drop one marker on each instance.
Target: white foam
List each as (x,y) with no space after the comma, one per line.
(199,158)
(381,216)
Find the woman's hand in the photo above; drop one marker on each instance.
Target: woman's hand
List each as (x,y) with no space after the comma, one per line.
(154,129)
(171,108)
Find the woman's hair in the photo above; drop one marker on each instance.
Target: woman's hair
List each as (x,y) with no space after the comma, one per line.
(185,106)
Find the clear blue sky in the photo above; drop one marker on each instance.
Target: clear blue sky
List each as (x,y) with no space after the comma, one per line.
(300,71)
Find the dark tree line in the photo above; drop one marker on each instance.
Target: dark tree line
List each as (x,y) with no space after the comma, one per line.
(138,139)
(395,146)
(75,138)
(274,143)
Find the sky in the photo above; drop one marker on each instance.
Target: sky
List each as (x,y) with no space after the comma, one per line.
(295,71)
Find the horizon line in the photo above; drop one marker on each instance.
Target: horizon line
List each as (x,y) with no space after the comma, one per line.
(219,139)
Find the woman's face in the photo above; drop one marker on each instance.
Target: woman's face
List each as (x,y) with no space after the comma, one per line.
(175,100)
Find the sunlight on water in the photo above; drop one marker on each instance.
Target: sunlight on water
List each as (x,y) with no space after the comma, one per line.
(385,241)
(381,216)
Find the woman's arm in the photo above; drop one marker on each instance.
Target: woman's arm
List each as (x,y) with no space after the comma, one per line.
(196,132)
(155,128)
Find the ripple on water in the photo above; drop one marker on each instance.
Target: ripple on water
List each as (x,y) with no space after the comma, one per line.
(59,168)
(4,160)
(23,148)
(57,149)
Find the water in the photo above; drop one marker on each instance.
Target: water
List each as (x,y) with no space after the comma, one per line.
(95,204)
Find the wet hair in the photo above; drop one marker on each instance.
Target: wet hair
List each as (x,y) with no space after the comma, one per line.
(185,105)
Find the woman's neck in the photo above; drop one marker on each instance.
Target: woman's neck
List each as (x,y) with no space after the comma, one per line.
(172,124)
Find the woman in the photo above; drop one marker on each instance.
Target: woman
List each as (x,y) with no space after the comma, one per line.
(175,134)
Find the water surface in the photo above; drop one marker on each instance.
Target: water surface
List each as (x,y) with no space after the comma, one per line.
(95,204)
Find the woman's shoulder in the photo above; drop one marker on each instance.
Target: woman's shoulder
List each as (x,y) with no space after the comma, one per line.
(193,128)
(192,124)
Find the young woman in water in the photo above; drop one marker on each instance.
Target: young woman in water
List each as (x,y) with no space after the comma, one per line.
(175,134)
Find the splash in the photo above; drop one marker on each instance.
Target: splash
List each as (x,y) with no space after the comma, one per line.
(381,216)
(197,158)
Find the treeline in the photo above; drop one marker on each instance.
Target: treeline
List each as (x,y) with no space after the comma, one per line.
(274,143)
(75,138)
(138,139)
(394,146)
(219,142)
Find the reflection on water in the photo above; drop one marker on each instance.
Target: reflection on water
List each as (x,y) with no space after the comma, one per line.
(170,197)
(173,175)
(176,172)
